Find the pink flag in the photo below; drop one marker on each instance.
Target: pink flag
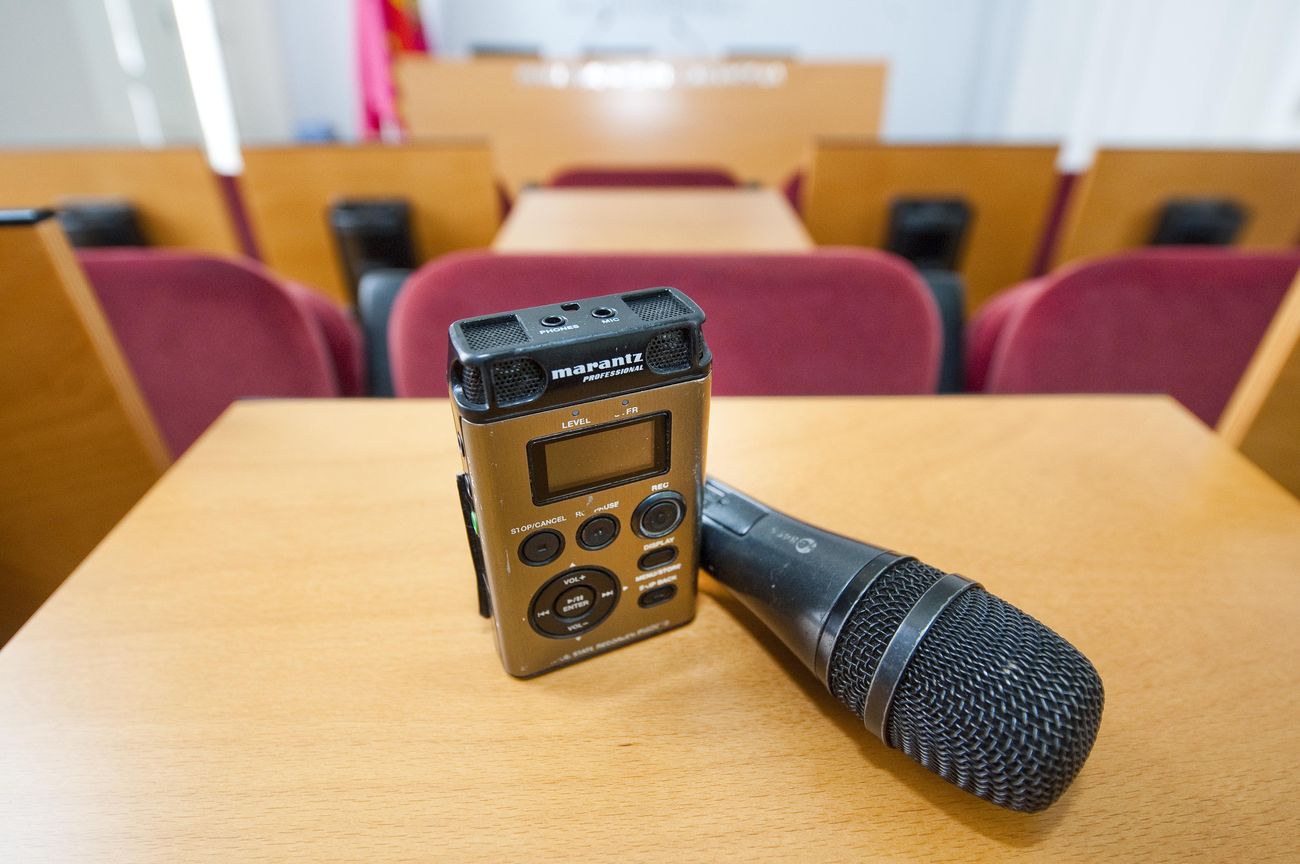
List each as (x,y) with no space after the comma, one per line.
(384,29)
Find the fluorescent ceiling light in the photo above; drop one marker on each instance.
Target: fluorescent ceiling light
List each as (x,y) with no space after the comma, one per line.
(207,70)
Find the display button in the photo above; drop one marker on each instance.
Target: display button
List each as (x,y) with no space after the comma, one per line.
(659,514)
(597,532)
(655,596)
(541,547)
(575,602)
(658,557)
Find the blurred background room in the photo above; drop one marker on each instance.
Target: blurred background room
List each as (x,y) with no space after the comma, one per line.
(248,198)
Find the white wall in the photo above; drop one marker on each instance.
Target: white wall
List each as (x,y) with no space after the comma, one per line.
(1084,71)
(316,39)
(934,48)
(256,68)
(1178,72)
(66,83)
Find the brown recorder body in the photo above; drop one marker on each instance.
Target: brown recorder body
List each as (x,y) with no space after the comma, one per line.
(582,427)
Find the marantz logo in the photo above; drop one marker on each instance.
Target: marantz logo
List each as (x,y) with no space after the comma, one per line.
(629,362)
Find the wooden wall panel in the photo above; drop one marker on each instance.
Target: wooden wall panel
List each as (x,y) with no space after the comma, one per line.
(852,183)
(760,131)
(288,192)
(78,446)
(1116,202)
(178,198)
(1263,417)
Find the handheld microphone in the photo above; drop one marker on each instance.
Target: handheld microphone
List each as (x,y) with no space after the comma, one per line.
(961,681)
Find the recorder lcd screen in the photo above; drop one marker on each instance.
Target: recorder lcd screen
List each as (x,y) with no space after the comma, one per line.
(582,462)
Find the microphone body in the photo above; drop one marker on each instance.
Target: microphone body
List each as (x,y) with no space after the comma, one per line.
(961,681)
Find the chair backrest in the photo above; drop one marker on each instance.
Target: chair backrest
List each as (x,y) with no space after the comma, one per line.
(342,334)
(654,177)
(838,321)
(1182,321)
(200,332)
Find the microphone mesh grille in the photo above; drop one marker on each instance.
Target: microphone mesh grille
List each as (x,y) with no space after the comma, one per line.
(992,701)
(872,623)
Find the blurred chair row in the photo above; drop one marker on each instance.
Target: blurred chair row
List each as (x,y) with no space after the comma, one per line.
(134,348)
(200,332)
(319,215)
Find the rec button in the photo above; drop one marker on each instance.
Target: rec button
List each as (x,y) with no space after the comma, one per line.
(659,514)
(657,557)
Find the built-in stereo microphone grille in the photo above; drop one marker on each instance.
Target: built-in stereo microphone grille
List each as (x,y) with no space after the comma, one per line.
(991,700)
(669,351)
(515,381)
(471,385)
(494,333)
(656,305)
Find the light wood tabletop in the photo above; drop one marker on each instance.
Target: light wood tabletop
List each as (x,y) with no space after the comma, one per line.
(277,656)
(652,220)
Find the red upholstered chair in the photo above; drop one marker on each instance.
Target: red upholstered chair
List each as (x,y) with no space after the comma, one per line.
(1182,321)
(201,331)
(342,335)
(836,321)
(594,176)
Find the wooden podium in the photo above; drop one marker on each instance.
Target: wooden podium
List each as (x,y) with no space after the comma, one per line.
(756,118)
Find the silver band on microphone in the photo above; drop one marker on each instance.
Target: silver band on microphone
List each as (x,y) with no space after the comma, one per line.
(898,653)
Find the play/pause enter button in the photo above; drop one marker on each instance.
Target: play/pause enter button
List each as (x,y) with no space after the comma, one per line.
(575,602)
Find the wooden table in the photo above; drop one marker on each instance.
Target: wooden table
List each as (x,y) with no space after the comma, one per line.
(276,656)
(652,220)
